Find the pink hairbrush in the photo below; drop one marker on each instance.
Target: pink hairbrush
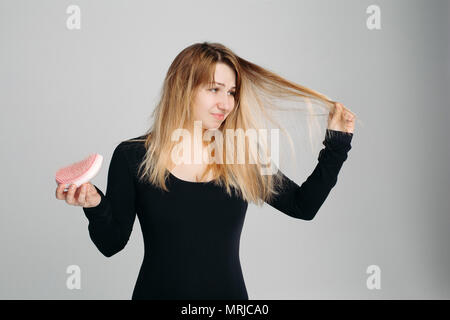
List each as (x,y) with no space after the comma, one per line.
(79,172)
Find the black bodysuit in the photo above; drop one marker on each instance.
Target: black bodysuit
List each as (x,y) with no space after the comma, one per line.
(192,233)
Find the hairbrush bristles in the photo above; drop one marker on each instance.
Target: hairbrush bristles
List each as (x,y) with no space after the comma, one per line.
(80,172)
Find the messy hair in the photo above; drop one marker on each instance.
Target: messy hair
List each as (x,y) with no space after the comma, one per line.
(256,89)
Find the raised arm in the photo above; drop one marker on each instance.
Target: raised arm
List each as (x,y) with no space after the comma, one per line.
(303,202)
(111,222)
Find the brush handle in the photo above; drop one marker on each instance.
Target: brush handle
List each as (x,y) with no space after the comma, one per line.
(66,188)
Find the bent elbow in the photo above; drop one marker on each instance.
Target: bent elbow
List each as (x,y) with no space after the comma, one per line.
(308,216)
(108,244)
(109,252)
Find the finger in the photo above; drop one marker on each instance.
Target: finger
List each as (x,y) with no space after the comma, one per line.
(82,196)
(59,191)
(337,112)
(348,117)
(347,111)
(350,123)
(71,194)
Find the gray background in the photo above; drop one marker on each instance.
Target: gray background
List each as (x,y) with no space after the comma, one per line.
(65,94)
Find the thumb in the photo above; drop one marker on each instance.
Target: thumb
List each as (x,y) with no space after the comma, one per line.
(90,188)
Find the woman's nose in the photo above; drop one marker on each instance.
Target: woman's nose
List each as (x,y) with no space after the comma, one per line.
(223,107)
(224,104)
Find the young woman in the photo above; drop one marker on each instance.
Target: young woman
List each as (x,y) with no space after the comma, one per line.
(192,212)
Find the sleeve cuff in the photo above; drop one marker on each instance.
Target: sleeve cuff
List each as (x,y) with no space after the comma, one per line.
(337,145)
(100,210)
(338,140)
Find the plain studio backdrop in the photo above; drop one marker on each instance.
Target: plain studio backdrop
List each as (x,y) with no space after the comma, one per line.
(66,93)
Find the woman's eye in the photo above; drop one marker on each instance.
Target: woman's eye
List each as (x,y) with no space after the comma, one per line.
(232,93)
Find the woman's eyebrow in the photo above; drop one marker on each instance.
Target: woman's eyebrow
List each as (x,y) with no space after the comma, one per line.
(221,84)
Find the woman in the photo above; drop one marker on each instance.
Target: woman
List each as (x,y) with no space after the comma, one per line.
(192,212)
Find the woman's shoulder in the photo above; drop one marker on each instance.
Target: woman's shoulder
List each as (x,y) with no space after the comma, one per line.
(133,142)
(133,146)
(132,151)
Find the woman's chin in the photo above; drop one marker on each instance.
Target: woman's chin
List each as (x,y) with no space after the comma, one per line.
(212,126)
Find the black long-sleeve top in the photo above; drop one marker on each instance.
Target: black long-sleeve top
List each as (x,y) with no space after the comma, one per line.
(192,233)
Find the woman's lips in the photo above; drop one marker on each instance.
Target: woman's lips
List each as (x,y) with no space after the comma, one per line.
(218,116)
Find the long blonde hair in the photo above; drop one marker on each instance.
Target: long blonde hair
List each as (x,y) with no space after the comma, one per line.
(255,87)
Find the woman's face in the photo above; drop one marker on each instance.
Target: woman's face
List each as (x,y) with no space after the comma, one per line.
(215,99)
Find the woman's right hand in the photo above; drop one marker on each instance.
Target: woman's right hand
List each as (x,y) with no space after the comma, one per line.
(85,195)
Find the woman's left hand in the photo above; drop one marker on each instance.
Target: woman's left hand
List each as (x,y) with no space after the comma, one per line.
(341,119)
